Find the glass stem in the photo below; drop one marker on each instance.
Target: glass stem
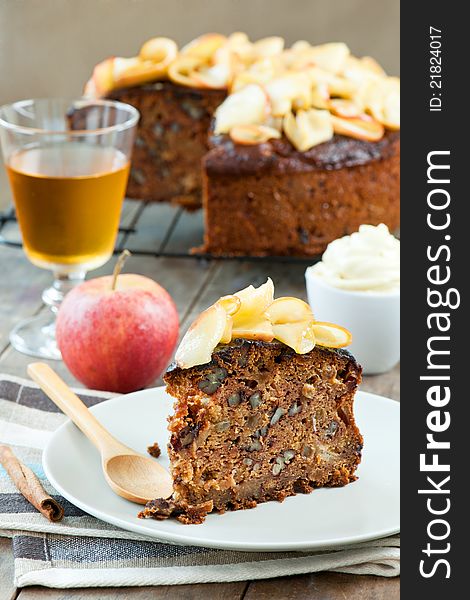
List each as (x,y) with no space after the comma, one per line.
(63,283)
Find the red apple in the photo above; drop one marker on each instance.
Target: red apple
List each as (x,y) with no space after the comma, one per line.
(117,335)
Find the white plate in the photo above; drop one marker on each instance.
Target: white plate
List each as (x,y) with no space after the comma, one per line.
(360,511)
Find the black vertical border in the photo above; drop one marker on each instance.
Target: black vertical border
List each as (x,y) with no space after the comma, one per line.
(424,131)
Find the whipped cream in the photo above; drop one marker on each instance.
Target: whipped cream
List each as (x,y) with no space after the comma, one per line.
(368,260)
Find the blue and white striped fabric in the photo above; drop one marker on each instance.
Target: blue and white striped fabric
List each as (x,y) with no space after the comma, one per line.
(82,551)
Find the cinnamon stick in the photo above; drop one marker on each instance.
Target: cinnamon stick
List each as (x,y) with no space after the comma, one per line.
(29,485)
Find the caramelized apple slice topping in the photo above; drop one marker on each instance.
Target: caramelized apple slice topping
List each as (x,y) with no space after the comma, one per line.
(215,77)
(249,106)
(372,65)
(360,70)
(269,46)
(128,72)
(101,81)
(308,128)
(256,329)
(391,112)
(159,50)
(344,108)
(228,331)
(320,96)
(298,336)
(390,116)
(380,97)
(253,134)
(254,301)
(292,321)
(250,321)
(331,335)
(288,310)
(261,72)
(182,69)
(202,337)
(116,72)
(330,57)
(205,46)
(287,91)
(231,304)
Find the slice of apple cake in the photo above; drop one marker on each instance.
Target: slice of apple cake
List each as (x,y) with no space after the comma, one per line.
(264,407)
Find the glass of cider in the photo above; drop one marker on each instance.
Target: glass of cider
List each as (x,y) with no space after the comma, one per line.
(68,164)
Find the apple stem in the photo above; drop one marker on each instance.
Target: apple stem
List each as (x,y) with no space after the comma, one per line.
(119,264)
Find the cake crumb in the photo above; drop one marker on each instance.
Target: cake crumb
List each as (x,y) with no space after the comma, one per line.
(188,514)
(154,450)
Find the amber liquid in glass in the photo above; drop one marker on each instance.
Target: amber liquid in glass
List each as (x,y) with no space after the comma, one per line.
(68,200)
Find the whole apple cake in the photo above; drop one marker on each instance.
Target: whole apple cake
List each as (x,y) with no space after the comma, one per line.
(264,407)
(293,146)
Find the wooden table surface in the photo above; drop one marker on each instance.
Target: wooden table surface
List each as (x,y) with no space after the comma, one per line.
(194,284)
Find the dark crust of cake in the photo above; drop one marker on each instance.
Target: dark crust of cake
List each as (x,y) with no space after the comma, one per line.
(258,423)
(226,157)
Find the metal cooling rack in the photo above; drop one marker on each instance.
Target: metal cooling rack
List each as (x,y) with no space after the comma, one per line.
(151,229)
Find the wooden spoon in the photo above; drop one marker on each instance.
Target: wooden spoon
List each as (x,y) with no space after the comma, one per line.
(133,476)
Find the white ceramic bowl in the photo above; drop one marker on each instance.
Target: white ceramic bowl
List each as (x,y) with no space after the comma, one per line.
(373,318)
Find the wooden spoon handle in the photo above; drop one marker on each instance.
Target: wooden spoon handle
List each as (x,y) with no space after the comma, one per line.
(69,403)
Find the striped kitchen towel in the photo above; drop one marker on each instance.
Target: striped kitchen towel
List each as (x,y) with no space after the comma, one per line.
(82,551)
